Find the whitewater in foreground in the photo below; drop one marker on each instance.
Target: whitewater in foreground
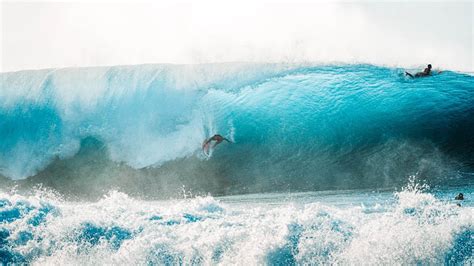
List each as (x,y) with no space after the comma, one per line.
(348,227)
(344,164)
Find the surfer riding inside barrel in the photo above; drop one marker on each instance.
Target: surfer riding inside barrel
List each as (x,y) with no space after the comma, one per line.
(425,73)
(217,138)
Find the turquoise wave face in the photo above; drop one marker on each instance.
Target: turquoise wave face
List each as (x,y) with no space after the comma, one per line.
(294,127)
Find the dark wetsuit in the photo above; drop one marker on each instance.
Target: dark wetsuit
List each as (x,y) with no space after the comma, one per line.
(426,72)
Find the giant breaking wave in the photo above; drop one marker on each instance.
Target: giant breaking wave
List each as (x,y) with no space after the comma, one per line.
(139,129)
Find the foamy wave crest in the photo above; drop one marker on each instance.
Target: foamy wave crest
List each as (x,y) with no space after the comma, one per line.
(409,227)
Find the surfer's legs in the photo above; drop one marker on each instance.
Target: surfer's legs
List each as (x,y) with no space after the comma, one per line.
(408,74)
(420,74)
(205,148)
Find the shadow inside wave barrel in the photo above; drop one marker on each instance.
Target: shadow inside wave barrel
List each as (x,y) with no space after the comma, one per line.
(234,169)
(91,174)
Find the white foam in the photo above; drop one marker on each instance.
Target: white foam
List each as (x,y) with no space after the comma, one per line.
(416,228)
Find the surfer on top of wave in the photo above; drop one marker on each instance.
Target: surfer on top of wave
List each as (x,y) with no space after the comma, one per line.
(207,143)
(425,73)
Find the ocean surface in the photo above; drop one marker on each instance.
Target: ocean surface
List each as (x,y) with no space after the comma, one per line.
(344,164)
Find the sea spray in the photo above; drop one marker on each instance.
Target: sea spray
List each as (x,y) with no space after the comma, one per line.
(351,227)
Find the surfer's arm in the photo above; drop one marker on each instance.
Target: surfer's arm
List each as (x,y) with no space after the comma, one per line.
(228,140)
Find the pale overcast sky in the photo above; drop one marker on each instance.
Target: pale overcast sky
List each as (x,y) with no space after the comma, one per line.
(57,34)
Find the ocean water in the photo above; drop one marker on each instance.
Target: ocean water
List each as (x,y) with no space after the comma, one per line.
(343,227)
(345,164)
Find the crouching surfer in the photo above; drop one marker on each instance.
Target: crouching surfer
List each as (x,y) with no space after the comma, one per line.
(425,73)
(206,145)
